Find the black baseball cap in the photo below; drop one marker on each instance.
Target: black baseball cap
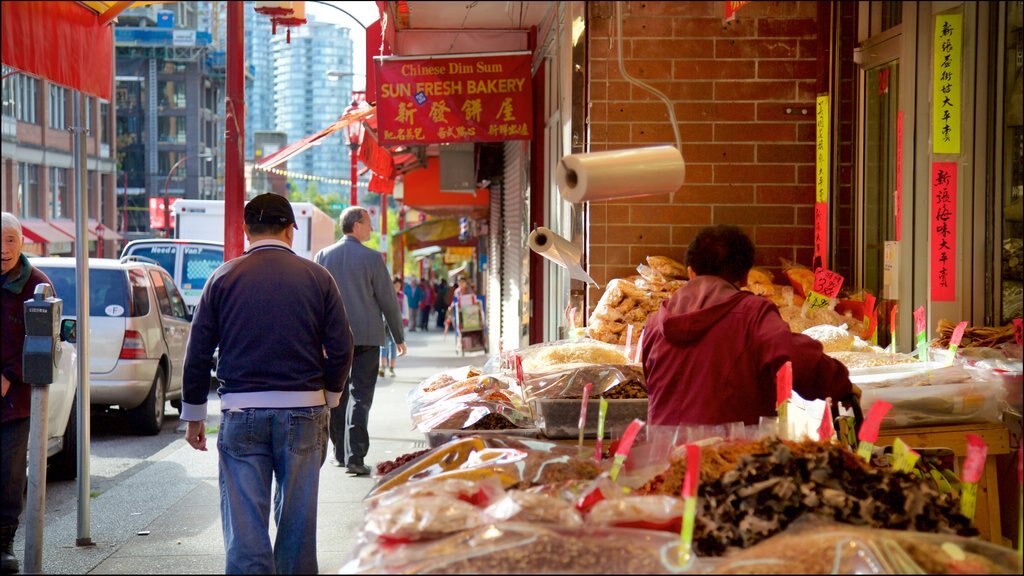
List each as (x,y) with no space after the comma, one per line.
(270,208)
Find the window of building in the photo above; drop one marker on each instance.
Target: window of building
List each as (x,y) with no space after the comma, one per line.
(28,189)
(60,199)
(58,105)
(167,160)
(171,129)
(104,122)
(19,96)
(171,94)
(87,110)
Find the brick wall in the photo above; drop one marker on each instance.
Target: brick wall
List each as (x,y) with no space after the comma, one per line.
(744,100)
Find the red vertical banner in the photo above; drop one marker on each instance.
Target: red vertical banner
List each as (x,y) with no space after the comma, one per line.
(821,234)
(898,212)
(943,231)
(731,8)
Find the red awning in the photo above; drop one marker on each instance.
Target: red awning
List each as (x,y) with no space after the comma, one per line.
(70,228)
(63,42)
(37,231)
(284,154)
(99,230)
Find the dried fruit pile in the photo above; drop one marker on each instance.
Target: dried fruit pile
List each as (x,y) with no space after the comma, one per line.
(389,465)
(759,493)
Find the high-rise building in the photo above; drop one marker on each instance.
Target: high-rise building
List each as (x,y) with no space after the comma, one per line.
(259,90)
(307,100)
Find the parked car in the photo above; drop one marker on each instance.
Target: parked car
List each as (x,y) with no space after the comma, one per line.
(189,262)
(138,331)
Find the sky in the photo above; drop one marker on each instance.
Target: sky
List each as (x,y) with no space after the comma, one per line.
(363,10)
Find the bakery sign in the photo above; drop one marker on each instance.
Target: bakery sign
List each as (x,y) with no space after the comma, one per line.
(454,98)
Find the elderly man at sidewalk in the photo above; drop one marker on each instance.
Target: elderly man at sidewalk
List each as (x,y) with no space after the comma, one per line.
(369,296)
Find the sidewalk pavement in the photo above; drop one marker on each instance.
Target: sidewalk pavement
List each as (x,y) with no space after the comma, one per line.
(166,518)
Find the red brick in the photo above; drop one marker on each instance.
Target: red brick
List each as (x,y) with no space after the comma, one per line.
(728,153)
(807,90)
(754,90)
(787,69)
(598,234)
(712,27)
(716,111)
(617,257)
(755,48)
(790,153)
(621,271)
(638,112)
(596,253)
(753,215)
(662,132)
(638,235)
(804,254)
(772,255)
(645,27)
(598,212)
(805,215)
(785,111)
(687,9)
(683,235)
(777,28)
(717,193)
(759,132)
(754,174)
(699,173)
(643,69)
(805,174)
(808,48)
(783,235)
(671,48)
(669,214)
(713,69)
(767,194)
(639,254)
(805,132)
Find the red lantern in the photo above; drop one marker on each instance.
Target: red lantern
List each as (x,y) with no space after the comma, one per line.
(296,18)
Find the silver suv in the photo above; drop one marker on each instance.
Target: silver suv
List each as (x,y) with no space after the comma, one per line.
(138,331)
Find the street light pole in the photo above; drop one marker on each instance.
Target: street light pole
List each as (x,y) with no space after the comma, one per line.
(167,196)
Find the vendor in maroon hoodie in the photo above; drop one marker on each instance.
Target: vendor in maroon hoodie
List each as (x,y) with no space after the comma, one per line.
(711,351)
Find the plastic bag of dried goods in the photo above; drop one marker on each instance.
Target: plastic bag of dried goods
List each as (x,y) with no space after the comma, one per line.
(553,356)
(523,506)
(421,517)
(668,267)
(832,338)
(650,512)
(618,381)
(480,493)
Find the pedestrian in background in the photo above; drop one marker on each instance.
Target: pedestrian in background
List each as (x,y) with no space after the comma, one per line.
(285,349)
(389,351)
(427,304)
(19,280)
(372,305)
(414,303)
(441,293)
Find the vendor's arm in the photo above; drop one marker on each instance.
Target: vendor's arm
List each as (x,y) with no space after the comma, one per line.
(816,375)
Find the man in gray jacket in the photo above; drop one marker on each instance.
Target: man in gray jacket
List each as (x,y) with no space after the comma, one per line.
(366,290)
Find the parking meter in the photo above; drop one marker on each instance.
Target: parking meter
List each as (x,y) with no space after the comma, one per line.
(38,364)
(42,332)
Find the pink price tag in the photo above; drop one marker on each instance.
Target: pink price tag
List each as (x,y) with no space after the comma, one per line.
(629,341)
(974,460)
(639,346)
(583,408)
(873,421)
(827,282)
(692,471)
(628,437)
(870,312)
(958,334)
(920,324)
(1018,331)
(519,369)
(826,430)
(783,383)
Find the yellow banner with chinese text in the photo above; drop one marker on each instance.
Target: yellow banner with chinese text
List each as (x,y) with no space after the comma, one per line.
(946,84)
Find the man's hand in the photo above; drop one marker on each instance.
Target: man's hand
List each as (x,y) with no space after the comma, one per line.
(855,390)
(195,435)
(6,386)
(402,349)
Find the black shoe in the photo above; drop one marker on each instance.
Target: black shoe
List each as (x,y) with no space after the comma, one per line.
(359,469)
(8,561)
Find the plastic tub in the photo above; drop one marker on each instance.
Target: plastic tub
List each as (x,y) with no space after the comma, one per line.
(978,401)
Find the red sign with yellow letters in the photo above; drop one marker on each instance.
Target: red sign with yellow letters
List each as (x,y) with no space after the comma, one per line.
(457,98)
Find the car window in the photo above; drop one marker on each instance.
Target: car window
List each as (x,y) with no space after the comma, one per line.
(198,263)
(163,255)
(108,291)
(161,293)
(140,292)
(177,302)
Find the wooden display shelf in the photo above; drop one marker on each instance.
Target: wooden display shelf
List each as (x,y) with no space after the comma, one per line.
(953,437)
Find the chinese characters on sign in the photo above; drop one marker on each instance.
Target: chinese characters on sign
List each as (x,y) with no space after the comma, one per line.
(468,98)
(943,231)
(946,85)
(898,212)
(821,122)
(820,234)
(827,282)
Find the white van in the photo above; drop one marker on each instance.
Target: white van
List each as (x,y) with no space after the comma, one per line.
(189,262)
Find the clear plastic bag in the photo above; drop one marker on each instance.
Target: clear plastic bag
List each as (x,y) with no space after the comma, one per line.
(523,506)
(564,354)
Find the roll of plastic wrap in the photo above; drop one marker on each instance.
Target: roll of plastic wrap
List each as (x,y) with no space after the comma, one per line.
(620,174)
(560,251)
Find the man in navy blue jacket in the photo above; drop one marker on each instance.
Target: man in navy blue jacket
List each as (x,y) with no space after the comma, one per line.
(285,353)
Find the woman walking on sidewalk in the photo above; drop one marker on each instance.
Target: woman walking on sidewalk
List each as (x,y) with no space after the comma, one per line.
(389,351)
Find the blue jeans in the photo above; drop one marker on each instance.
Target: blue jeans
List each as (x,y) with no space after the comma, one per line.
(13,471)
(389,351)
(258,445)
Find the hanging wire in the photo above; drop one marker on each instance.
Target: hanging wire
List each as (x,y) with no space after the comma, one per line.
(469,8)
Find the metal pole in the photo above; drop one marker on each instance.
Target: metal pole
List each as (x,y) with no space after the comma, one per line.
(354,175)
(82,283)
(35,502)
(234,132)
(167,197)
(384,226)
(124,206)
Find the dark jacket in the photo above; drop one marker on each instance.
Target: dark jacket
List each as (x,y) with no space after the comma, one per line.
(711,353)
(18,286)
(282,330)
(366,289)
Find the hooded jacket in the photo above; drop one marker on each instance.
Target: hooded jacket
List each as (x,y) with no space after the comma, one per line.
(18,286)
(711,353)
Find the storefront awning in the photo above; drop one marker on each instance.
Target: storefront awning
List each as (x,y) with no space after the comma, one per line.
(105,232)
(437,232)
(423,192)
(421,253)
(70,228)
(37,231)
(284,154)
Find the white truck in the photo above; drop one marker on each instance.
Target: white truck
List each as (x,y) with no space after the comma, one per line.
(204,220)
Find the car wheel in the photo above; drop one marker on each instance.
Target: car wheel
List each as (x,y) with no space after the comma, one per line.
(64,464)
(147,418)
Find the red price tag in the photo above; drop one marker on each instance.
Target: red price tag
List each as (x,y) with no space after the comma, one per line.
(827,282)
(826,430)
(920,324)
(637,354)
(519,369)
(974,460)
(892,317)
(1017,330)
(692,471)
(628,437)
(958,334)
(869,310)
(783,383)
(873,421)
